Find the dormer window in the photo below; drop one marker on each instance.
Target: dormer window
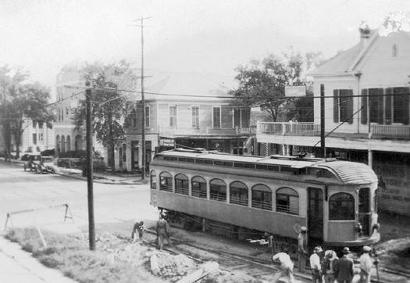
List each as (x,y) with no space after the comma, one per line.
(394,50)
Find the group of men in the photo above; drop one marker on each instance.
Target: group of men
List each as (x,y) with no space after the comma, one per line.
(162,229)
(325,267)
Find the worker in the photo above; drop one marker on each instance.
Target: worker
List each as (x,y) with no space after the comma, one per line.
(138,227)
(286,267)
(302,248)
(315,265)
(162,231)
(329,266)
(366,264)
(344,268)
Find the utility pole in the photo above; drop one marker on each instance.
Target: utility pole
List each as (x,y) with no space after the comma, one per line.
(91,225)
(322,120)
(142,99)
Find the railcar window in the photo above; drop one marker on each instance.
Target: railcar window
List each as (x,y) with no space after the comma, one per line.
(185,159)
(153,180)
(165,182)
(170,158)
(238,193)
(244,165)
(217,190)
(287,169)
(223,163)
(320,173)
(198,187)
(287,200)
(204,161)
(181,184)
(262,166)
(262,197)
(341,207)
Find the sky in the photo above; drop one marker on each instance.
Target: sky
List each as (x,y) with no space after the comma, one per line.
(207,36)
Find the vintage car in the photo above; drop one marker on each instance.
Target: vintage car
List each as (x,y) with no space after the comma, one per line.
(29,159)
(44,165)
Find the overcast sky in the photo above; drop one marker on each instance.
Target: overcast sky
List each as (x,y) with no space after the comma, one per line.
(211,36)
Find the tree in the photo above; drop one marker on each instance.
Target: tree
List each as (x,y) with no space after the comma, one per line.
(109,105)
(262,83)
(21,100)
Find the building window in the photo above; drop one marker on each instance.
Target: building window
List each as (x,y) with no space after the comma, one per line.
(147,116)
(181,184)
(287,200)
(394,50)
(62,144)
(238,193)
(68,143)
(195,117)
(34,138)
(173,116)
(343,105)
(216,118)
(363,114)
(165,182)
(341,207)
(40,137)
(58,148)
(261,197)
(376,105)
(198,187)
(40,124)
(217,189)
(153,180)
(34,124)
(401,105)
(66,110)
(124,152)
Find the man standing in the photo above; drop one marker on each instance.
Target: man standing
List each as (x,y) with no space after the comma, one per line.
(344,268)
(366,264)
(302,249)
(316,266)
(286,267)
(162,231)
(138,227)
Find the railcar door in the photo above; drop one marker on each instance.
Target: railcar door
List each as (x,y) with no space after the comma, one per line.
(315,216)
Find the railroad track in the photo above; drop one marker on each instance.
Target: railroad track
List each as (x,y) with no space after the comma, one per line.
(260,268)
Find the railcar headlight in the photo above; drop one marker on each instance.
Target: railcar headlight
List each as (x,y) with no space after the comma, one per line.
(358,227)
(376,227)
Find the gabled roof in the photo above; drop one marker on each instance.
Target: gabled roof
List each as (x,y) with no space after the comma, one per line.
(345,61)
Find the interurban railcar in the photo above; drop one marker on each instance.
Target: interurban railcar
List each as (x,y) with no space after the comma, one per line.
(334,199)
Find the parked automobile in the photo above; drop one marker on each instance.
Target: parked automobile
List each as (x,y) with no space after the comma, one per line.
(29,159)
(43,165)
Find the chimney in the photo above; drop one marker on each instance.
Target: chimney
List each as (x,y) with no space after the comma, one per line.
(365,33)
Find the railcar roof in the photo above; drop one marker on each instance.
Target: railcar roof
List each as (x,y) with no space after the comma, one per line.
(351,172)
(348,172)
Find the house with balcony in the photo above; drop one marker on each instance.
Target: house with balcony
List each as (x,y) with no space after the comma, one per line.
(190,110)
(366,114)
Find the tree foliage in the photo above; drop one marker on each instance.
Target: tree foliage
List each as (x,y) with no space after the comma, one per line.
(21,100)
(262,83)
(108,104)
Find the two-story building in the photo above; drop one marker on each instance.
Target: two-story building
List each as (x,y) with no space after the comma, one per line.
(190,110)
(366,91)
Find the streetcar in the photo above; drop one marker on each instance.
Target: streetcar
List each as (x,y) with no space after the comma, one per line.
(335,200)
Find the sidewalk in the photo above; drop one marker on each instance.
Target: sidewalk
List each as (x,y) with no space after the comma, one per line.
(18,266)
(102,178)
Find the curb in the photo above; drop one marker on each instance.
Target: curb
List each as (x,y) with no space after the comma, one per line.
(138,182)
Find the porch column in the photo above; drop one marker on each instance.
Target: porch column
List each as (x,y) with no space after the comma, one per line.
(370,158)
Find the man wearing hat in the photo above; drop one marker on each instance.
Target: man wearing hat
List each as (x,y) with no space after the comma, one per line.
(344,268)
(302,248)
(315,265)
(366,264)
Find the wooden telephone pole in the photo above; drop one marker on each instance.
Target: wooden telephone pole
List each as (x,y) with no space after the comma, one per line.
(90,192)
(143,161)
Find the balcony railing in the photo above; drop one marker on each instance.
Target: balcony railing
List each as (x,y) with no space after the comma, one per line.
(206,131)
(311,129)
(289,128)
(390,131)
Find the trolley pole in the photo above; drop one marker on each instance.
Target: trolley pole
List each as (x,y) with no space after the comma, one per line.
(322,120)
(91,225)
